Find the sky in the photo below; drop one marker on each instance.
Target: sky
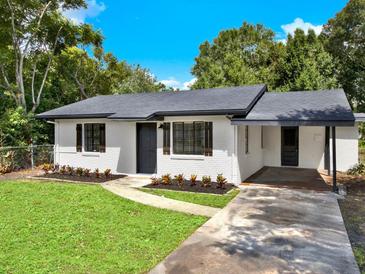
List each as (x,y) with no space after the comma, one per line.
(164,35)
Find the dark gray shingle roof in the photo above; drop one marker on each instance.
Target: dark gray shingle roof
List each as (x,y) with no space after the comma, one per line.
(303,106)
(233,100)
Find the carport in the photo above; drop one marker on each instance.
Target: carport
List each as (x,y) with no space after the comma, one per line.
(289,111)
(292,178)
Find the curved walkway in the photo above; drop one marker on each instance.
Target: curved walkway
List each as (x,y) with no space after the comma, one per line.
(127,188)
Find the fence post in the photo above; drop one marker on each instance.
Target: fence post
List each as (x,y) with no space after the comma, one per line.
(32,155)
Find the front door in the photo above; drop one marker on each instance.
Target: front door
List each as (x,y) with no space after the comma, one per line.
(146,148)
(289,146)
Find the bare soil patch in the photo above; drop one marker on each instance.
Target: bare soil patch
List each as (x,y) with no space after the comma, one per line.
(21,174)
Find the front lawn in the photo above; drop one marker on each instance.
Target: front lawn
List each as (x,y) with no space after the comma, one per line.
(67,228)
(213,200)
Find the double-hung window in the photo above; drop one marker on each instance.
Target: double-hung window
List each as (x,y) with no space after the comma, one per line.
(193,138)
(94,137)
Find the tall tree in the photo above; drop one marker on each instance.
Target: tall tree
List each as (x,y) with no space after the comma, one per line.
(345,40)
(247,55)
(33,32)
(305,65)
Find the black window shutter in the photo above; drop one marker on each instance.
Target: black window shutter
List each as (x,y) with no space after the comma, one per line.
(208,139)
(166,138)
(79,137)
(102,137)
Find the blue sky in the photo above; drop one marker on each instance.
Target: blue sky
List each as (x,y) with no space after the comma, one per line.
(164,36)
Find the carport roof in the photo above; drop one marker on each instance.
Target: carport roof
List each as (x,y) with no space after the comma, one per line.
(312,108)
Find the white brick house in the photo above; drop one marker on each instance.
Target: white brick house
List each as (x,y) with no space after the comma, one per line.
(235,131)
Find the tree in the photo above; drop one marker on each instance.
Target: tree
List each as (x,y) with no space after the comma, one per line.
(305,65)
(345,40)
(33,32)
(243,56)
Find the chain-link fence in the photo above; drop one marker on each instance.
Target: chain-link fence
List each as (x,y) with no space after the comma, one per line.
(16,158)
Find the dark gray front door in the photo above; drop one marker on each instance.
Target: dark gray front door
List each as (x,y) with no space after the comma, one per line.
(289,146)
(146,148)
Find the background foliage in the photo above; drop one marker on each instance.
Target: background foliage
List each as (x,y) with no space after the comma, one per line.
(47,61)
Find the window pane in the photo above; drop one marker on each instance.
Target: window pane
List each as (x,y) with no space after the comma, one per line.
(95,137)
(199,138)
(178,132)
(188,138)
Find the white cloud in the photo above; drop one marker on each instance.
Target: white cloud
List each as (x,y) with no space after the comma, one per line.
(79,15)
(176,84)
(299,23)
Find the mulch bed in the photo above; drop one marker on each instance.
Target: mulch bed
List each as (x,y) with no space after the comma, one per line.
(198,188)
(91,178)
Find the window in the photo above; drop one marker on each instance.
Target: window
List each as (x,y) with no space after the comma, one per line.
(166,138)
(94,137)
(246,140)
(79,137)
(194,138)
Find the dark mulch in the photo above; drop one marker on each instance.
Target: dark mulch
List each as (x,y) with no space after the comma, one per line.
(197,188)
(91,178)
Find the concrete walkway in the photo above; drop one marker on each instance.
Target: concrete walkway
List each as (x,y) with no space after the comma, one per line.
(268,230)
(127,188)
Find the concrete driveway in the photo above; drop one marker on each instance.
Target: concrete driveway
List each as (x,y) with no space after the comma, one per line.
(268,230)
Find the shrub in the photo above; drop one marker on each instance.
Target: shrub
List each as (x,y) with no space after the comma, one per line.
(47,168)
(358,169)
(107,173)
(193,178)
(63,169)
(155,181)
(166,179)
(70,170)
(221,181)
(180,180)
(56,168)
(79,171)
(97,173)
(206,181)
(87,172)
(5,168)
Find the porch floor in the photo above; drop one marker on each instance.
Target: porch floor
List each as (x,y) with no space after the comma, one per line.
(286,177)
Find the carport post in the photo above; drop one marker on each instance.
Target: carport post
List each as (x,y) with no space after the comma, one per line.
(334,170)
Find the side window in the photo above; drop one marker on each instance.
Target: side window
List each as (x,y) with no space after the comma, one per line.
(94,137)
(79,137)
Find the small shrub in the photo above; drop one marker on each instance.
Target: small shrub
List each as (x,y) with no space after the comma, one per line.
(221,181)
(206,181)
(166,179)
(5,168)
(79,171)
(47,168)
(63,169)
(70,170)
(56,168)
(180,180)
(358,169)
(107,173)
(87,172)
(193,178)
(97,173)
(155,181)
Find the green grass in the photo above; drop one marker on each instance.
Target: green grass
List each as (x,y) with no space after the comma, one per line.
(67,228)
(196,198)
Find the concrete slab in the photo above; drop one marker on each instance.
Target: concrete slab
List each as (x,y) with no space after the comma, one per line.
(287,177)
(268,230)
